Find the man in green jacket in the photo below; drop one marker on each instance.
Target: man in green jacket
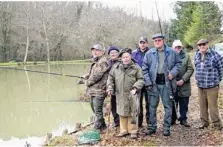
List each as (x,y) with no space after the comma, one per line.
(125,77)
(183,84)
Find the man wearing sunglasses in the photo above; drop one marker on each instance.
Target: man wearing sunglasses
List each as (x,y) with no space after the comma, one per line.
(209,73)
(138,55)
(161,64)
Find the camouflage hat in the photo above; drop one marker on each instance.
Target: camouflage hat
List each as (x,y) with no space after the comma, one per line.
(143,38)
(98,47)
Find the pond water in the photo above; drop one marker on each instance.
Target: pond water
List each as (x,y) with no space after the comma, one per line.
(32,104)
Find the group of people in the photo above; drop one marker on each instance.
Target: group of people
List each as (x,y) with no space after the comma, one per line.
(151,74)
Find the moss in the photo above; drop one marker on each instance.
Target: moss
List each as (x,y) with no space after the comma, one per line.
(66,140)
(149,144)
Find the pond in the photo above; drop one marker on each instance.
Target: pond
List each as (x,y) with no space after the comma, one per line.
(32,104)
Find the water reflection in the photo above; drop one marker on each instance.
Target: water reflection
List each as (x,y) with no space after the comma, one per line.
(32,104)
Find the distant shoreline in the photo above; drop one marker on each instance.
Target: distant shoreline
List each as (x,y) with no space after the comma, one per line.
(87,61)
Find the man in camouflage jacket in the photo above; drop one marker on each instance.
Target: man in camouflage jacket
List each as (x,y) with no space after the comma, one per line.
(96,84)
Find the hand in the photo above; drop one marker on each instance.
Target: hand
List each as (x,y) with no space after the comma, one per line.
(109,92)
(85,76)
(133,91)
(149,87)
(180,83)
(170,77)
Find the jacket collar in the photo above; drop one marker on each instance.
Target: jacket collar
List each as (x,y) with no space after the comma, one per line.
(166,50)
(182,54)
(138,50)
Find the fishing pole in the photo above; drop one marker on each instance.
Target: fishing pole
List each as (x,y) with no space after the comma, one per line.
(65,101)
(173,96)
(52,73)
(159,19)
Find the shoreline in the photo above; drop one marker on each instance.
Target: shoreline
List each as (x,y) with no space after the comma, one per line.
(31,63)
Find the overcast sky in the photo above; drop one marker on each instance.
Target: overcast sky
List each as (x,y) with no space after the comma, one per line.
(148,7)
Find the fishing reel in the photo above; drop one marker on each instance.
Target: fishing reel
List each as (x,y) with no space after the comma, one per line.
(81,81)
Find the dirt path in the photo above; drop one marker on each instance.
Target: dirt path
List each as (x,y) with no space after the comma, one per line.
(180,136)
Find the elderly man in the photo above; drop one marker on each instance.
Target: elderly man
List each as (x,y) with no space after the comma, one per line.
(183,84)
(113,53)
(125,77)
(209,73)
(138,56)
(161,64)
(96,84)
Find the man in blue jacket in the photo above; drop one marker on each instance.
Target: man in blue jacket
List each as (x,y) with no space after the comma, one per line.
(161,64)
(138,56)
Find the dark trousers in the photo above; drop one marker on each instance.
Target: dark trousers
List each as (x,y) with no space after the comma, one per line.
(140,118)
(97,108)
(183,103)
(113,110)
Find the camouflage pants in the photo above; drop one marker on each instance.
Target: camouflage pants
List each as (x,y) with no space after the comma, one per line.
(97,108)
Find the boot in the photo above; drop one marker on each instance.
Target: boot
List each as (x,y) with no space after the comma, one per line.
(150,132)
(122,134)
(166,133)
(184,123)
(133,136)
(203,126)
(217,126)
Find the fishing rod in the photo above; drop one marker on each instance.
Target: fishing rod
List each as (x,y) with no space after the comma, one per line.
(36,71)
(158,18)
(173,95)
(65,101)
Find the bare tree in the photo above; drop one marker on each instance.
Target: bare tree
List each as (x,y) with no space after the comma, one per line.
(46,34)
(50,31)
(27,33)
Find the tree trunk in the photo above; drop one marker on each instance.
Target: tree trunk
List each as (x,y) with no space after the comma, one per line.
(46,36)
(27,34)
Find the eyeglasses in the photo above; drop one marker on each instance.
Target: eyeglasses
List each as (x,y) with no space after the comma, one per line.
(158,40)
(202,44)
(178,47)
(142,42)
